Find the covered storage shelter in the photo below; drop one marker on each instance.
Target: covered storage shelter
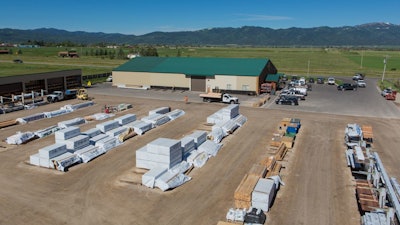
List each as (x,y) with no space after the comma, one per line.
(231,75)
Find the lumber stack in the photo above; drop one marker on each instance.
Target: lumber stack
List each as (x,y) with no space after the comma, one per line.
(282,150)
(244,191)
(258,170)
(366,196)
(367,133)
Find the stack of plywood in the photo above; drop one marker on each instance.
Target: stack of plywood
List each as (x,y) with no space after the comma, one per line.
(258,170)
(244,191)
(367,133)
(288,141)
(282,150)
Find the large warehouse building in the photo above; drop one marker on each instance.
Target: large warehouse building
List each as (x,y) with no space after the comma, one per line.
(232,75)
(49,81)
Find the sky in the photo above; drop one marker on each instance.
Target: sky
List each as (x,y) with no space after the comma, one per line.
(141,17)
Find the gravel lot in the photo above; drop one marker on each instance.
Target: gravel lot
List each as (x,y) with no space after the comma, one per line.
(319,188)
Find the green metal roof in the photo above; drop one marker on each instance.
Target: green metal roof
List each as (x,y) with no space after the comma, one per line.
(196,66)
(273,77)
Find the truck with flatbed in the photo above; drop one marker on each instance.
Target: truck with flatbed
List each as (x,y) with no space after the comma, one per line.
(57,96)
(219,97)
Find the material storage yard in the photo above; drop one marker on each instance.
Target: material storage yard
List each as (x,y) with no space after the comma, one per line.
(319,187)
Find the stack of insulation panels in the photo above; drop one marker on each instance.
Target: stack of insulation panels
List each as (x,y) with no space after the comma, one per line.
(64,161)
(92,132)
(125,119)
(199,137)
(188,145)
(71,122)
(78,142)
(149,178)
(44,155)
(156,119)
(97,138)
(67,133)
(139,126)
(263,194)
(107,143)
(106,126)
(175,114)
(209,147)
(89,153)
(162,152)
(243,192)
(224,114)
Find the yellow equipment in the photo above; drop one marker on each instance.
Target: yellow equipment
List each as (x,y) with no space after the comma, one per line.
(82,94)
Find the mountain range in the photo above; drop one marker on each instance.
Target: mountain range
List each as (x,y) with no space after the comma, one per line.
(371,34)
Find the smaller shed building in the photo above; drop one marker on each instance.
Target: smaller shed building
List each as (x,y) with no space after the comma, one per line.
(231,75)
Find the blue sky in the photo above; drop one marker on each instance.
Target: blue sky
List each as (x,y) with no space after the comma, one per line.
(141,17)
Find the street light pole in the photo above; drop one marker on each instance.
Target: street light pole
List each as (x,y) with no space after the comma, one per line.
(384,68)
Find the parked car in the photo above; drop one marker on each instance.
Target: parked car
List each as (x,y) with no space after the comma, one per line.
(286,100)
(346,86)
(358,76)
(320,80)
(17,61)
(109,79)
(331,81)
(386,91)
(311,80)
(361,83)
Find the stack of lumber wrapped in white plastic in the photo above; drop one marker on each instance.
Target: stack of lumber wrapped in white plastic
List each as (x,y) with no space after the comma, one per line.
(226,121)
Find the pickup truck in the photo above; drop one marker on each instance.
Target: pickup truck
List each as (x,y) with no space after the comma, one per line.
(219,97)
(293,93)
(60,95)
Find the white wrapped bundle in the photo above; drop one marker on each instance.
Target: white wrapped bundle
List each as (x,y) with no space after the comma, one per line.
(210,147)
(175,114)
(34,159)
(149,178)
(53,150)
(76,143)
(106,126)
(33,117)
(116,131)
(106,144)
(67,133)
(47,131)
(240,120)
(199,137)
(187,144)
(156,119)
(89,153)
(82,105)
(125,119)
(92,132)
(97,138)
(171,179)
(72,122)
(64,161)
(20,138)
(57,113)
(198,159)
(139,126)
(161,110)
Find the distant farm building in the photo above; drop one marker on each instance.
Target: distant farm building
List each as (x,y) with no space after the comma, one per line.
(4,51)
(231,75)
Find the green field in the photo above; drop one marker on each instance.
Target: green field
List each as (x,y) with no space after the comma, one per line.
(299,61)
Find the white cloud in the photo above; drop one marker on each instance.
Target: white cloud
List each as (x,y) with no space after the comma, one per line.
(254,17)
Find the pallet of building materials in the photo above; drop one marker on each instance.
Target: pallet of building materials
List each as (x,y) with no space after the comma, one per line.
(235,215)
(240,120)
(282,150)
(139,126)
(149,178)
(116,131)
(225,223)
(243,192)
(71,122)
(156,119)
(269,162)
(210,147)
(288,141)
(89,153)
(47,131)
(36,160)
(30,118)
(213,119)
(216,134)
(8,123)
(292,128)
(67,133)
(166,161)
(161,110)
(255,216)
(174,114)
(127,134)
(263,194)
(106,144)
(76,143)
(276,140)
(92,132)
(284,123)
(171,179)
(258,170)
(366,196)
(97,138)
(229,112)
(275,170)
(99,116)
(58,112)
(124,106)
(125,119)
(20,138)
(228,126)
(368,135)
(199,137)
(64,161)
(108,125)
(81,105)
(187,144)
(53,150)
(198,159)
(375,218)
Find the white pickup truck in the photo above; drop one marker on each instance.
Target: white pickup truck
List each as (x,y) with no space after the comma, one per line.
(292,92)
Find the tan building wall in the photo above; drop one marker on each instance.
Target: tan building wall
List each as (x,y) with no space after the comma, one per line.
(232,82)
(150,79)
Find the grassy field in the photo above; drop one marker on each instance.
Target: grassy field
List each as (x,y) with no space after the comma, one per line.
(299,61)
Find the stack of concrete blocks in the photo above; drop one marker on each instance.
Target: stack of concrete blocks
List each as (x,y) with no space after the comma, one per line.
(162,152)
(263,194)
(44,155)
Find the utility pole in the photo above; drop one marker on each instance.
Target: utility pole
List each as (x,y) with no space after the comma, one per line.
(362,57)
(308,68)
(384,67)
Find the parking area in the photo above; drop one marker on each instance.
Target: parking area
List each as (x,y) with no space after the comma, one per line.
(319,188)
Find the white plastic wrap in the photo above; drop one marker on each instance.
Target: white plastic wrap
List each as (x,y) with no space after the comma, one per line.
(64,161)
(53,150)
(67,133)
(72,122)
(106,126)
(209,147)
(92,132)
(57,113)
(149,178)
(140,127)
(76,143)
(20,138)
(156,119)
(125,119)
(174,114)
(161,110)
(198,159)
(171,179)
(47,131)
(106,144)
(216,134)
(89,153)
(199,137)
